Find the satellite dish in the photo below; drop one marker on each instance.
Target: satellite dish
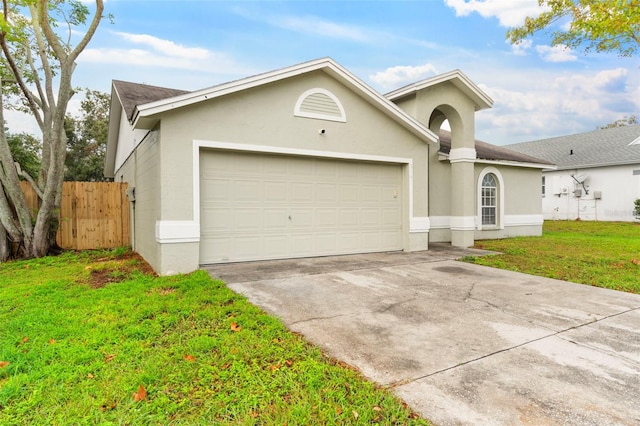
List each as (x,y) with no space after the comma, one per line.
(581,177)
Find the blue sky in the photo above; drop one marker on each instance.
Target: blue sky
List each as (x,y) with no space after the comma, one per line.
(538,91)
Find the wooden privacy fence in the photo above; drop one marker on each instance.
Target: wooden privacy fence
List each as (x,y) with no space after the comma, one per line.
(92,214)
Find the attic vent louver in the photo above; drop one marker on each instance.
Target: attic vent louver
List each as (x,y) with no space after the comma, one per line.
(320,104)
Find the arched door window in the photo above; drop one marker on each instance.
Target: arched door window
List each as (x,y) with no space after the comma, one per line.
(489,200)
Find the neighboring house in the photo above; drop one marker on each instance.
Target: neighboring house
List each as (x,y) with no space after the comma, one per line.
(597,175)
(311,161)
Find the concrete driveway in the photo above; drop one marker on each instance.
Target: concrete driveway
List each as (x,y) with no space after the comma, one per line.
(462,343)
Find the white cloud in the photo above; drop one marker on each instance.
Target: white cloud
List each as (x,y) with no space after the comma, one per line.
(556,53)
(552,105)
(153,52)
(522,48)
(400,75)
(318,26)
(166,47)
(509,13)
(19,122)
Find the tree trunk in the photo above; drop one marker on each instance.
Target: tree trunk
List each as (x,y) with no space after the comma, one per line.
(4,244)
(53,62)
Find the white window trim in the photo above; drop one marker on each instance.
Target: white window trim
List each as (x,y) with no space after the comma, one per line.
(298,113)
(500,203)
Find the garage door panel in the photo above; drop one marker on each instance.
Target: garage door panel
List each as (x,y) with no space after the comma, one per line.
(248,219)
(213,189)
(277,166)
(302,169)
(246,165)
(348,218)
(349,193)
(327,218)
(302,245)
(247,190)
(326,243)
(301,192)
(348,242)
(276,219)
(389,217)
(370,194)
(250,246)
(218,219)
(370,217)
(278,245)
(326,169)
(275,191)
(388,240)
(302,218)
(326,193)
(262,206)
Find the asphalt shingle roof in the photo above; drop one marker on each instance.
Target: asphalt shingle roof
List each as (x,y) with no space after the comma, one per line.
(487,151)
(133,94)
(602,147)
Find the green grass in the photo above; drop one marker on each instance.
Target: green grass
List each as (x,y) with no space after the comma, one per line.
(603,254)
(79,353)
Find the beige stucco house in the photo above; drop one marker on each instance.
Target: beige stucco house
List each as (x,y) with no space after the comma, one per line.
(311,161)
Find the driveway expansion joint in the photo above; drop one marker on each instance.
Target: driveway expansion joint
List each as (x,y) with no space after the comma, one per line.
(558,334)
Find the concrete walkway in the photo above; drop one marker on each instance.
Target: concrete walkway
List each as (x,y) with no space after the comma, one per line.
(461,343)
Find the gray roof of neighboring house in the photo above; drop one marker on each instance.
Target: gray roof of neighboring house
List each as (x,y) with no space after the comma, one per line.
(602,147)
(133,94)
(487,151)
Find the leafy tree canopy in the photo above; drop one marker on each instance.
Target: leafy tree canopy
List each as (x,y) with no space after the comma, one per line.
(87,138)
(600,25)
(626,121)
(26,151)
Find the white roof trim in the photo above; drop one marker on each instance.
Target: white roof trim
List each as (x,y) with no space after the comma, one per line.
(636,141)
(326,64)
(457,77)
(445,157)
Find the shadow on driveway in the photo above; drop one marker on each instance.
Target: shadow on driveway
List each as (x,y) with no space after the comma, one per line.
(462,343)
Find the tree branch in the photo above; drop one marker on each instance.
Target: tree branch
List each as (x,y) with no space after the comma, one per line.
(97,17)
(29,179)
(42,52)
(16,71)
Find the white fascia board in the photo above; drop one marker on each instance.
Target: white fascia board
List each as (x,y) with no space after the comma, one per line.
(458,78)
(336,71)
(597,165)
(190,98)
(113,134)
(382,103)
(545,167)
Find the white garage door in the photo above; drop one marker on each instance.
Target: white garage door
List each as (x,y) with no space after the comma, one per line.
(255,206)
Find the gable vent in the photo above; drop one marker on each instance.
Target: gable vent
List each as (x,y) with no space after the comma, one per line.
(320,104)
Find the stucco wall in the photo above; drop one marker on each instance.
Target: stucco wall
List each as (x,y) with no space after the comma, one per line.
(522,189)
(618,186)
(128,139)
(521,209)
(141,171)
(264,116)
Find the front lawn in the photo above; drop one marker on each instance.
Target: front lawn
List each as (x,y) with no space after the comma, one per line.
(603,254)
(93,338)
